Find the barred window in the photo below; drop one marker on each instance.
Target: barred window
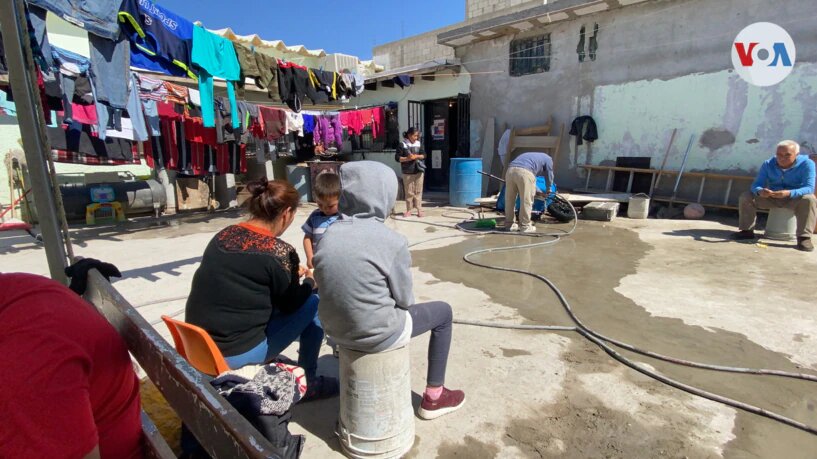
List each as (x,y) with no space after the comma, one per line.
(530,55)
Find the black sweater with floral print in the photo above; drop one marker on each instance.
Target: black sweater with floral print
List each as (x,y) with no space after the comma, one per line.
(245,273)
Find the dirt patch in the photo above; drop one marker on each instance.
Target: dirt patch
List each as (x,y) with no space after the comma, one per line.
(514,352)
(431,229)
(470,448)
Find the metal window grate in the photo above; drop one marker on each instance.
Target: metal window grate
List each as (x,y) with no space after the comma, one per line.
(530,55)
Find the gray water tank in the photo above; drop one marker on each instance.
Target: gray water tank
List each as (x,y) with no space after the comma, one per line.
(137,197)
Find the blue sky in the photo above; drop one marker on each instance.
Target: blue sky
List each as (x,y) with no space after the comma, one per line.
(350,26)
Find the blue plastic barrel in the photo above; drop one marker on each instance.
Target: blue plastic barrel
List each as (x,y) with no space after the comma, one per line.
(465,183)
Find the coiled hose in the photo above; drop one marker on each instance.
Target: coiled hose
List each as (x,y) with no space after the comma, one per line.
(600,340)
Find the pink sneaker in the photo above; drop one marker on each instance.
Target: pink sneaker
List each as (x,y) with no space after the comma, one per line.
(406,214)
(420,214)
(449,401)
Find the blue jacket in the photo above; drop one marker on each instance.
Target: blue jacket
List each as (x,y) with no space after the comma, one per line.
(799,179)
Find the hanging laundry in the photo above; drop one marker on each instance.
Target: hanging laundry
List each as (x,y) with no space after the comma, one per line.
(97,17)
(108,47)
(328,131)
(214,56)
(195,97)
(224,128)
(274,121)
(322,88)
(160,40)
(359,83)
(158,155)
(251,121)
(295,123)
(402,80)
(347,86)
(294,85)
(71,66)
(151,88)
(8,107)
(110,64)
(309,123)
(331,80)
(83,91)
(352,120)
(262,68)
(83,114)
(78,138)
(177,93)
(578,126)
(378,122)
(62,156)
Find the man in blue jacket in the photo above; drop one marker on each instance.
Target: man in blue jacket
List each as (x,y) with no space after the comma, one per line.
(784,180)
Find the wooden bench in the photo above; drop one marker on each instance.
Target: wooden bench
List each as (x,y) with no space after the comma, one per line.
(220,429)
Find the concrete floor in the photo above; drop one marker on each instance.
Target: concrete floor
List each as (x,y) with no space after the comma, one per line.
(673,286)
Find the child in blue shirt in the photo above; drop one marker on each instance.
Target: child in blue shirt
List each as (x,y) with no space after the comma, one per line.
(327,194)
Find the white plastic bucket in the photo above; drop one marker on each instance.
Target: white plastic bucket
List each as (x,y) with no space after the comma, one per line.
(376,415)
(638,206)
(781,224)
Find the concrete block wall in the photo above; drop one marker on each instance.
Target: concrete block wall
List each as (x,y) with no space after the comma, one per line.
(478,8)
(418,49)
(659,67)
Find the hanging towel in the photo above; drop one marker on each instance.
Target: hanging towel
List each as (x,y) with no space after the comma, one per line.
(214,56)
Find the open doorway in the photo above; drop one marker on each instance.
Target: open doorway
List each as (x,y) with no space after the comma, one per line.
(443,124)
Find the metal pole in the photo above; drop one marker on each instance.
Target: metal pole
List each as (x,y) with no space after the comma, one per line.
(22,77)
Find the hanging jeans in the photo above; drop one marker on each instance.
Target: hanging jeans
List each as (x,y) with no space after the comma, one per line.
(98,17)
(71,66)
(282,330)
(110,57)
(437,317)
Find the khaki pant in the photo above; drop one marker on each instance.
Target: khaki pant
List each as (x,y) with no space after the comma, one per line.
(519,182)
(804,207)
(413,189)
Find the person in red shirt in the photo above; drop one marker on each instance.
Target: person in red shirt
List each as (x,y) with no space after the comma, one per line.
(69,389)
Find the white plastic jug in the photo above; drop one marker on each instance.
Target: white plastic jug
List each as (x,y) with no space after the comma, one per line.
(639,206)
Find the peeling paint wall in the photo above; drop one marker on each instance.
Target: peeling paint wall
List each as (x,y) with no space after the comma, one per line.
(660,65)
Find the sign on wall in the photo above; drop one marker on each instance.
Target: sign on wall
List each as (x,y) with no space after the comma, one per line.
(436,159)
(438,129)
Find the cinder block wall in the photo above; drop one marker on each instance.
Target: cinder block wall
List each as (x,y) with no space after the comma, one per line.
(477,8)
(418,49)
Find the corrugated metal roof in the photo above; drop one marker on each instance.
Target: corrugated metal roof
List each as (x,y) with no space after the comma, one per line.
(257,41)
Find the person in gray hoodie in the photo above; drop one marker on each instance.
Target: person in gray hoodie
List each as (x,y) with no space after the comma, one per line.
(364,268)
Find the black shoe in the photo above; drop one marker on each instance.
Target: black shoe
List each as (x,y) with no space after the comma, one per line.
(804,244)
(320,388)
(744,235)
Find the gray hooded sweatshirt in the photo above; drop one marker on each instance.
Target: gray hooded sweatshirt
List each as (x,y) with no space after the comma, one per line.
(362,267)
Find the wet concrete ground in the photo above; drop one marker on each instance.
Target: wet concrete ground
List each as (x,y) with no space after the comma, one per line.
(673,287)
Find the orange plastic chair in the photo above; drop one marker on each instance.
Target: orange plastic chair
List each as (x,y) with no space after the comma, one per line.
(197,347)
